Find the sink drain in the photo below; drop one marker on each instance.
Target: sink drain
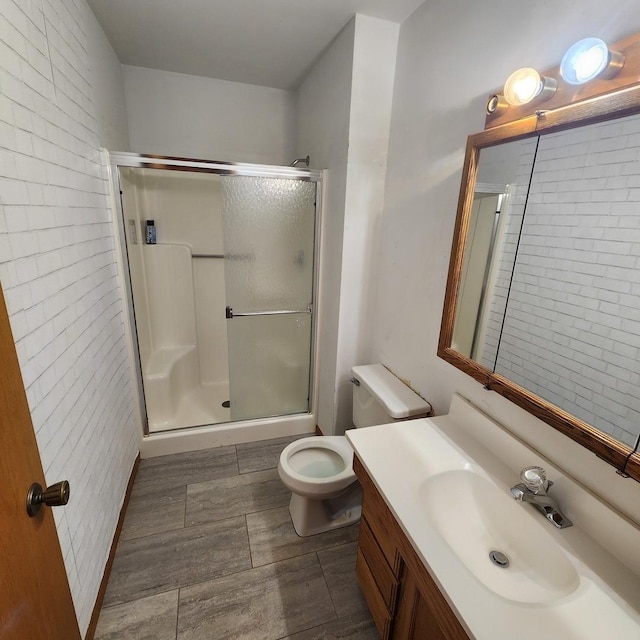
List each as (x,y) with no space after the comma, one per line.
(499,559)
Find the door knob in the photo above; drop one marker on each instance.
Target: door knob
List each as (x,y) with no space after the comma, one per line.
(56,495)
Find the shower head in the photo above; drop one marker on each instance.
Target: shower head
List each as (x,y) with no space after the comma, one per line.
(295,163)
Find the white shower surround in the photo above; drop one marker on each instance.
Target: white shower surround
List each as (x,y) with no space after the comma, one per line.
(178,338)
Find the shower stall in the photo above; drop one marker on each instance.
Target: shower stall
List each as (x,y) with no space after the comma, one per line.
(220,260)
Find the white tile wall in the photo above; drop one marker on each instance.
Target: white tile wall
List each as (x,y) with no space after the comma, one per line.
(59,275)
(577,343)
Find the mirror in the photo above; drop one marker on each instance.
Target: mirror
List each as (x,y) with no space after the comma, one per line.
(499,195)
(543,296)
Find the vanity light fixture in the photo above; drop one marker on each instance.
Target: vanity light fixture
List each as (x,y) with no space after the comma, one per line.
(527,85)
(496,104)
(588,59)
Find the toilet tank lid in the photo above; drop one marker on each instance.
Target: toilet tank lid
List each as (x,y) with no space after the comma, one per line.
(394,395)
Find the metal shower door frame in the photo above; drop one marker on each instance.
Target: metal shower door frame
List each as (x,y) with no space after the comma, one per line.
(120,160)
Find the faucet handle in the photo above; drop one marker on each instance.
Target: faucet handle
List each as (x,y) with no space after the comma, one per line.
(535,479)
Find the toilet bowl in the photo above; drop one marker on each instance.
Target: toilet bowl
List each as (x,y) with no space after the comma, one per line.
(319,473)
(317,465)
(318,470)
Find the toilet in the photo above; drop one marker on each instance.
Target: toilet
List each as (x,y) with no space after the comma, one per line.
(319,470)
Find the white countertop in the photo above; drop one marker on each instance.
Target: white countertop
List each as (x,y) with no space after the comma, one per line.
(402,457)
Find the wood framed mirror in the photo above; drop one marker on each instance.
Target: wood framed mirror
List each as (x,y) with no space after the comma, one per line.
(543,294)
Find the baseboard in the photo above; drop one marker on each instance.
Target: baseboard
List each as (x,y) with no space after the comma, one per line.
(91,630)
(319,431)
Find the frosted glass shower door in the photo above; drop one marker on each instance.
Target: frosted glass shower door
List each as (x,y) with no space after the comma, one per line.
(269,232)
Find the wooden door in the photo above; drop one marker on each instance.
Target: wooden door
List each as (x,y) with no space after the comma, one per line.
(35,600)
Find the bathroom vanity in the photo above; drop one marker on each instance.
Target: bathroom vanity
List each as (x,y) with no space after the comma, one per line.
(437,503)
(405,602)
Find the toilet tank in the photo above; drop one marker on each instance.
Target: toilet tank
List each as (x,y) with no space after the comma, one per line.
(379,397)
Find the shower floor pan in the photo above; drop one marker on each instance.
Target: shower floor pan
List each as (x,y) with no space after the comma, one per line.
(198,406)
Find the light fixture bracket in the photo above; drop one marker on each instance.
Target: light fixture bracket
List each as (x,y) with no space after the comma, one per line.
(620,71)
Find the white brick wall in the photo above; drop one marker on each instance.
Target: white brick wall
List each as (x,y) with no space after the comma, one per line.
(58,270)
(572,333)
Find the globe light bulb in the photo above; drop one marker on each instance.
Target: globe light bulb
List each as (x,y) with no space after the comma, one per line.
(525,85)
(590,63)
(588,59)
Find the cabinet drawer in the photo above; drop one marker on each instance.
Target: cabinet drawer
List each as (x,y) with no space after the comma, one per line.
(377,607)
(378,565)
(381,522)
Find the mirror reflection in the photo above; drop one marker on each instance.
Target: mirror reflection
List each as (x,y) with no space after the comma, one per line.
(500,193)
(557,309)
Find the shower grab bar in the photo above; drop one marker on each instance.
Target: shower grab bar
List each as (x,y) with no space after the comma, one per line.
(225,256)
(230,313)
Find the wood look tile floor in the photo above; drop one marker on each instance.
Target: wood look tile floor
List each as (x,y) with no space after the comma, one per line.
(208,552)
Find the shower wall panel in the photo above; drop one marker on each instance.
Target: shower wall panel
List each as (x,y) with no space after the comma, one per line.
(187,210)
(179,294)
(131,182)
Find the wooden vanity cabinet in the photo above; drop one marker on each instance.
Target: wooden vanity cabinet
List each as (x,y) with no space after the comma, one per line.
(404,601)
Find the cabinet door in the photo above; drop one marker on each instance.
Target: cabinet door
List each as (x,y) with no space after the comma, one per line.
(414,620)
(417,618)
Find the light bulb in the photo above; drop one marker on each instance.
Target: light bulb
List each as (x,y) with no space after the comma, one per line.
(588,59)
(525,85)
(589,63)
(526,89)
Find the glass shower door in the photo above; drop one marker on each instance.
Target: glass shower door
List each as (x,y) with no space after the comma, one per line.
(269,235)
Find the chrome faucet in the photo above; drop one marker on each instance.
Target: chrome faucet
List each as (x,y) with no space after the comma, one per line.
(533,489)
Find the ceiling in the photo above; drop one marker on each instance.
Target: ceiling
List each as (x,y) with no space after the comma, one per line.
(272,43)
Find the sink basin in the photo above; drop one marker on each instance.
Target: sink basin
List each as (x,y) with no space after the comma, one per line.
(446,481)
(475,518)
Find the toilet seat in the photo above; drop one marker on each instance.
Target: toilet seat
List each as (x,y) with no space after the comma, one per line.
(317,467)
(325,493)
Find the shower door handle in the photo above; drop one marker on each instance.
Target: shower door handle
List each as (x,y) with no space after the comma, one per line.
(230,313)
